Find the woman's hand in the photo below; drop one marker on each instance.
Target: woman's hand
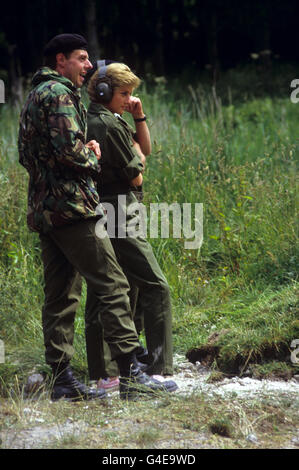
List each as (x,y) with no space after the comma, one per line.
(142,136)
(134,107)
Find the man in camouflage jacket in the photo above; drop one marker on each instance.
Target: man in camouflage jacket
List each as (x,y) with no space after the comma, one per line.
(63,208)
(53,126)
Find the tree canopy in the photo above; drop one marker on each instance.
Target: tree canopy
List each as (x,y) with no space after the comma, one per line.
(156,36)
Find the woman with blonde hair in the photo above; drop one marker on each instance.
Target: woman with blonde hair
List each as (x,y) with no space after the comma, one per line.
(124,152)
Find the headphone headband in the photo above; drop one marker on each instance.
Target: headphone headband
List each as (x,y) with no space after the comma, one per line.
(102,67)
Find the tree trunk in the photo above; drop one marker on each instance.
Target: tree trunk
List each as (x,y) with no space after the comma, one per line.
(15,78)
(159,46)
(91,30)
(213,46)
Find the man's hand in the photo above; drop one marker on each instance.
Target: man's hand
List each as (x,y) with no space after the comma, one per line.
(95,147)
(134,107)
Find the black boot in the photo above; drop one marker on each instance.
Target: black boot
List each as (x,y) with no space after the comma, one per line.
(142,355)
(133,381)
(67,386)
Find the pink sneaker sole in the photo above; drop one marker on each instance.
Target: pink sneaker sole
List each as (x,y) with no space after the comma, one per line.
(109,384)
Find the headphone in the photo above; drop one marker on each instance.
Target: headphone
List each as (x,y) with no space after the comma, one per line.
(104,89)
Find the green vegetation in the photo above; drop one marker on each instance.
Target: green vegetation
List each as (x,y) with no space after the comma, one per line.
(239,160)
(163,423)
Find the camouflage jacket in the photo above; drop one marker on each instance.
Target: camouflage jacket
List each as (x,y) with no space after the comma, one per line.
(62,170)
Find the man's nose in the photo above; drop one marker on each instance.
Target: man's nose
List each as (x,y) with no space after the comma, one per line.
(88,65)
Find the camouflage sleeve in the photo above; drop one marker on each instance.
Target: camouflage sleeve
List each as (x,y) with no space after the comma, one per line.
(67,137)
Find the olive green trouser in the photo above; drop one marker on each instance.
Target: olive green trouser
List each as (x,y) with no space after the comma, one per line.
(67,253)
(99,359)
(138,262)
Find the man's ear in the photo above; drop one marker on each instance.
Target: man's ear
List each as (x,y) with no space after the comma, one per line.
(60,59)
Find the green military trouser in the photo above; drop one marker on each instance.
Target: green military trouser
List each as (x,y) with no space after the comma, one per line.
(68,253)
(136,257)
(99,359)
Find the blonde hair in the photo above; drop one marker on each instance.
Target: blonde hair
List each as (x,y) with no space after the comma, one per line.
(117,75)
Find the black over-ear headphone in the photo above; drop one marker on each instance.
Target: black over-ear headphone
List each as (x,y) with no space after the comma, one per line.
(104,89)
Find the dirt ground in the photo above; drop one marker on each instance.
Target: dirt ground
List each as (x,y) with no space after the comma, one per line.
(259,414)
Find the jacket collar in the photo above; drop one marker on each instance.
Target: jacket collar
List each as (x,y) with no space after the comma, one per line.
(97,108)
(45,74)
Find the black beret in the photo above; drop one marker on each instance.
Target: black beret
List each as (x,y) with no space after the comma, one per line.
(65,43)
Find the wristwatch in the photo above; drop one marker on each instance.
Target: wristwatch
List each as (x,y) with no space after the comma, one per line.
(140,119)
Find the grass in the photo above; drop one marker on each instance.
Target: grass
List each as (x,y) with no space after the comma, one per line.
(161,423)
(239,158)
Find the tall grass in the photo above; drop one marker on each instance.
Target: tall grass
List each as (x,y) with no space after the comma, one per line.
(239,160)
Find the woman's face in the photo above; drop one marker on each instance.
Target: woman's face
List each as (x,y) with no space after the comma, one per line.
(121,98)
